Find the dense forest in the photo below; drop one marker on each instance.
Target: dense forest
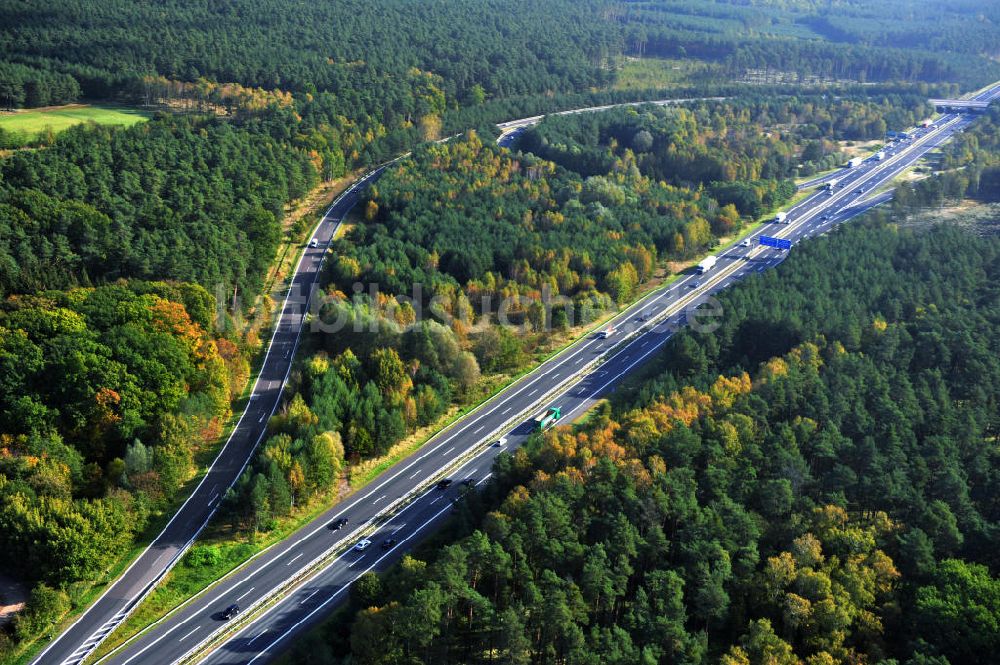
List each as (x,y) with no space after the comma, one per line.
(357,400)
(108,394)
(501,47)
(797,39)
(814,482)
(498,49)
(178,198)
(739,151)
(538,226)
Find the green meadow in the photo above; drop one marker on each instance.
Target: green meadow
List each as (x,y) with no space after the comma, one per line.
(24,126)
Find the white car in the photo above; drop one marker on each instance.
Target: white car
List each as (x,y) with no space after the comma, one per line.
(745,243)
(363,545)
(314,243)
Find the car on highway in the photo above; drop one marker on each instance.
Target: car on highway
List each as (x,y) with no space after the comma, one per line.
(444,483)
(338,524)
(469,482)
(314,243)
(230,611)
(694,285)
(745,243)
(500,443)
(388,543)
(363,544)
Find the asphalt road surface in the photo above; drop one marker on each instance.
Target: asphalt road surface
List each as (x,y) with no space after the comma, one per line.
(404,504)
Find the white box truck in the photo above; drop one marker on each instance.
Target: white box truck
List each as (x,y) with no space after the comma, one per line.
(707,264)
(781,217)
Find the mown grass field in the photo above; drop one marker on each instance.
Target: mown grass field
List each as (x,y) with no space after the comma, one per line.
(29,124)
(658,73)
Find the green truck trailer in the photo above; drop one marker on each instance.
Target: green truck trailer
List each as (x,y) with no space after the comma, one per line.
(548,418)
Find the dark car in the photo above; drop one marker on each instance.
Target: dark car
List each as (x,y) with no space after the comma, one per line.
(469,482)
(338,524)
(230,611)
(388,543)
(444,483)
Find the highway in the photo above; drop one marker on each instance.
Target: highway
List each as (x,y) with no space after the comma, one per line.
(314,566)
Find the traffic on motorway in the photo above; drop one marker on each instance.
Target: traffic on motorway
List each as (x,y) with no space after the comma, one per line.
(294,584)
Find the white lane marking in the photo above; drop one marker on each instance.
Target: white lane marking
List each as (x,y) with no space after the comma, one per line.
(478,429)
(533,392)
(555,376)
(506,411)
(213,498)
(379,499)
(448,451)
(294,558)
(187,635)
(435,500)
(341,590)
(310,596)
(415,475)
(399,528)
(262,416)
(260,634)
(244,594)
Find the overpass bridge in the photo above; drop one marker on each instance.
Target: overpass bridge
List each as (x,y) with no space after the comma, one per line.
(960,105)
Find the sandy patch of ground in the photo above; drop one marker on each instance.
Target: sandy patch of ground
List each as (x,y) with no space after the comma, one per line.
(12,598)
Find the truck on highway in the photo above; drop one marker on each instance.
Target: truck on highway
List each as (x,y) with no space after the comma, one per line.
(880,155)
(781,217)
(706,264)
(548,418)
(830,184)
(606,333)
(854,162)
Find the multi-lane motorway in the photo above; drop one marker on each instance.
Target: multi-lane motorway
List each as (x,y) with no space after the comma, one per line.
(402,505)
